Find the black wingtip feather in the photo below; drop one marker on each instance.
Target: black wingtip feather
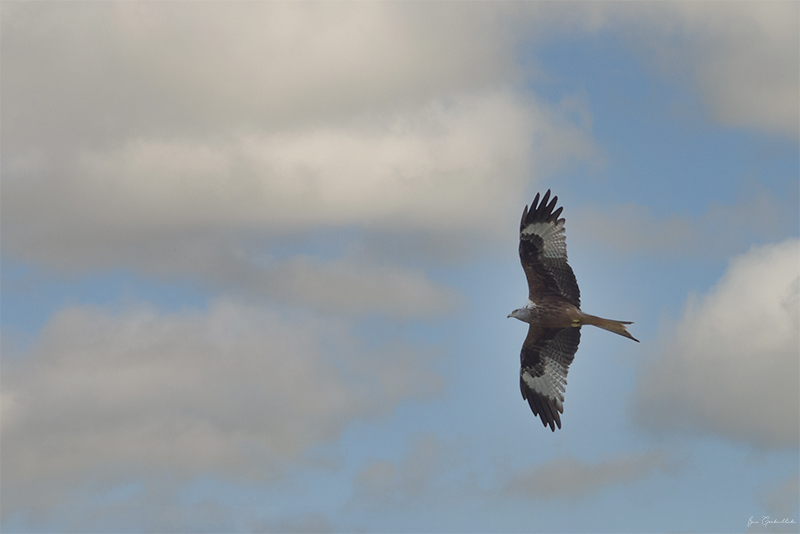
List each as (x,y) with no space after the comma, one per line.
(552,204)
(522,221)
(545,412)
(541,211)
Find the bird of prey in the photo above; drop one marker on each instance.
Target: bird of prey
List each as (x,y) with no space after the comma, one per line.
(553,311)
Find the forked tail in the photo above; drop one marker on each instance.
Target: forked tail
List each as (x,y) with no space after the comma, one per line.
(618,327)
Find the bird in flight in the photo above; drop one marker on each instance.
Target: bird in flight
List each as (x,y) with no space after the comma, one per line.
(553,311)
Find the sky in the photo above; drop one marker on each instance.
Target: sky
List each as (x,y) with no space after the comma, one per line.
(257,259)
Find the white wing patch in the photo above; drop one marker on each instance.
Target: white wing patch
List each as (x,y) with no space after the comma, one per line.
(553,236)
(552,382)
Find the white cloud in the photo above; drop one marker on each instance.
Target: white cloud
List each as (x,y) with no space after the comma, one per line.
(741,57)
(747,63)
(132,129)
(446,164)
(398,117)
(111,70)
(454,170)
(189,121)
(570,477)
(730,364)
(237,391)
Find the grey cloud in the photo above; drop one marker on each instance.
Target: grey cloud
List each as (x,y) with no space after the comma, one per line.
(386,484)
(238,391)
(719,232)
(741,57)
(353,284)
(210,212)
(108,72)
(133,133)
(191,129)
(344,287)
(145,507)
(748,64)
(302,523)
(444,165)
(572,478)
(129,122)
(729,365)
(449,172)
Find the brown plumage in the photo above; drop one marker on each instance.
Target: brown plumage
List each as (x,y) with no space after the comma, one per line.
(552,311)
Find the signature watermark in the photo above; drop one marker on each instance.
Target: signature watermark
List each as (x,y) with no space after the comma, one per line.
(767,521)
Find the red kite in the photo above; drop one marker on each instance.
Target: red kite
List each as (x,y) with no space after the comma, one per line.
(553,311)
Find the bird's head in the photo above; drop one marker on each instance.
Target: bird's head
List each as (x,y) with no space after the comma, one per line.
(523,314)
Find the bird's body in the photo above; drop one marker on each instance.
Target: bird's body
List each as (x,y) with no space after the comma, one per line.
(552,311)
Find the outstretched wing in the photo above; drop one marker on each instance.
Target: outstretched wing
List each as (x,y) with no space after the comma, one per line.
(545,359)
(543,251)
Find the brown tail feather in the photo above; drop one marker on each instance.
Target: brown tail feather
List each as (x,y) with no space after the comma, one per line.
(618,327)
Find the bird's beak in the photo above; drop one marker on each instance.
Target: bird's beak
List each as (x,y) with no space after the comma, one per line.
(509,316)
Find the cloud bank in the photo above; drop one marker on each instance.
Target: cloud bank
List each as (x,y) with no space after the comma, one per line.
(237,391)
(729,366)
(398,117)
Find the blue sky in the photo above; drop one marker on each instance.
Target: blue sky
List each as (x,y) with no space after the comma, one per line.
(257,260)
